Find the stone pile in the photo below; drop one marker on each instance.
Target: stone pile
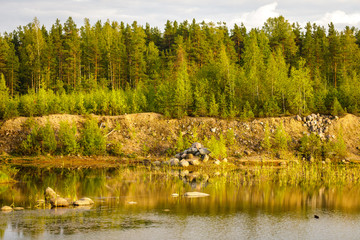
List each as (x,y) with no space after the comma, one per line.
(318,124)
(191,156)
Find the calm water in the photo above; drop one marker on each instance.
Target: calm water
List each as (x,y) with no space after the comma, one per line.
(233,211)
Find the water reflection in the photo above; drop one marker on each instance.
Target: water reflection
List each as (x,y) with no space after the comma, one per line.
(113,188)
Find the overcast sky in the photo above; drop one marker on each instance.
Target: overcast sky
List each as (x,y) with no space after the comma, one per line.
(14,13)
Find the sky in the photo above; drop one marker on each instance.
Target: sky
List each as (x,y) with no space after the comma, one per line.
(253,13)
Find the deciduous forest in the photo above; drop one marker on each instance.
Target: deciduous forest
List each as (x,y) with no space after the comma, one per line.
(188,69)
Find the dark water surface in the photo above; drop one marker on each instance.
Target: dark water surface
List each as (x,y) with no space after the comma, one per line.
(138,204)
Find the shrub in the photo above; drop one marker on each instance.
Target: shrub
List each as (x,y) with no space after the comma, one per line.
(217,146)
(281,138)
(92,140)
(67,138)
(39,140)
(311,146)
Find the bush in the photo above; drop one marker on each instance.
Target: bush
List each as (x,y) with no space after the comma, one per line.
(311,146)
(217,146)
(281,138)
(92,140)
(40,140)
(67,138)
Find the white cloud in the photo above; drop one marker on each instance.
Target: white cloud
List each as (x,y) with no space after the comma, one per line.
(257,18)
(339,17)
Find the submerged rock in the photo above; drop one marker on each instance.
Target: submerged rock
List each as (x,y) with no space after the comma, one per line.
(196,194)
(6,209)
(83,202)
(59,202)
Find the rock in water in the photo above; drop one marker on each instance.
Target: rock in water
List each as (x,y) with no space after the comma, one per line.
(83,202)
(59,202)
(6,209)
(196,194)
(50,194)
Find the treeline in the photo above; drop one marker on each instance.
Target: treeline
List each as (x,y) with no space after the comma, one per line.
(191,68)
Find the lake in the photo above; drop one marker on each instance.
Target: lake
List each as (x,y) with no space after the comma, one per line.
(138,203)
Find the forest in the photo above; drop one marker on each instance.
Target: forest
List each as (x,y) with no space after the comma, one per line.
(188,69)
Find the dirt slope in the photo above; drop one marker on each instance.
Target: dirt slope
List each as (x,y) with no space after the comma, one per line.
(150,134)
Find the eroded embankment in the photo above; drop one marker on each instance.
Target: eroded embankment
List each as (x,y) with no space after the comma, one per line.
(152,135)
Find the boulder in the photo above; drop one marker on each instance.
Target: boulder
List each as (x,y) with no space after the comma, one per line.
(50,194)
(6,209)
(196,145)
(59,202)
(189,156)
(204,151)
(83,202)
(174,162)
(184,163)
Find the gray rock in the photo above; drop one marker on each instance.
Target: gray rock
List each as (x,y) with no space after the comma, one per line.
(196,145)
(298,118)
(189,156)
(194,162)
(174,162)
(205,158)
(204,151)
(178,156)
(184,163)
(50,194)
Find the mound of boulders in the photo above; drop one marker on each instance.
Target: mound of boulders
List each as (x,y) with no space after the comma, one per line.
(195,155)
(318,124)
(56,201)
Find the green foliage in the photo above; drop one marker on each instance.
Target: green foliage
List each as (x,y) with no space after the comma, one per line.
(217,146)
(180,142)
(113,68)
(40,140)
(67,138)
(116,149)
(281,138)
(340,145)
(92,139)
(230,137)
(337,109)
(311,146)
(247,112)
